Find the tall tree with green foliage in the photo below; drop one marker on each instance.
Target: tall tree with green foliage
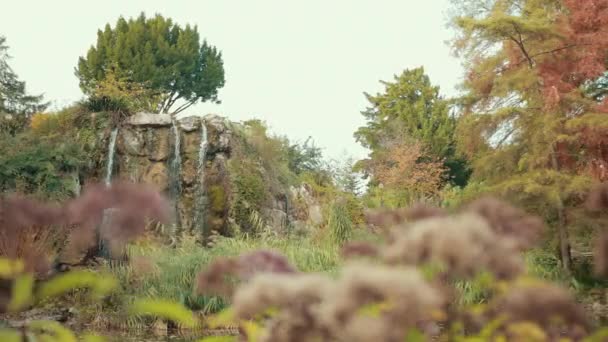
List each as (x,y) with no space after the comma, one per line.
(159,55)
(411,108)
(14,99)
(526,123)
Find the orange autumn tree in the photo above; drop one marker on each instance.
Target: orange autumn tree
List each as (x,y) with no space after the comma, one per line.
(400,166)
(526,118)
(405,172)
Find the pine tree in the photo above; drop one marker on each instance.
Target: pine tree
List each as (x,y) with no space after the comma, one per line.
(159,55)
(411,108)
(14,99)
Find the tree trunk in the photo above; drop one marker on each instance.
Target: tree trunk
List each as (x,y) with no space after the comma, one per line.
(564,242)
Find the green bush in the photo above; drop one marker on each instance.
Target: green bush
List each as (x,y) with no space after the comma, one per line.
(39,165)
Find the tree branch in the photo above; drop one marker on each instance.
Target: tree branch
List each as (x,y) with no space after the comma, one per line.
(184,106)
(171,101)
(507,135)
(522,47)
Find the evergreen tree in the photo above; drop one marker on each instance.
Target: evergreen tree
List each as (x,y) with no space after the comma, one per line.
(411,107)
(160,56)
(14,99)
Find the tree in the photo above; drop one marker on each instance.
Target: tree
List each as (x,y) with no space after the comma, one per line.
(345,176)
(411,107)
(526,123)
(14,99)
(160,56)
(405,171)
(305,157)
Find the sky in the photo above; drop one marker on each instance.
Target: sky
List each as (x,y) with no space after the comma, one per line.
(300,66)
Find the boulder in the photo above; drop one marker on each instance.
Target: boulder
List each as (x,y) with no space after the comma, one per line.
(131,141)
(277,219)
(159,144)
(190,123)
(149,119)
(219,134)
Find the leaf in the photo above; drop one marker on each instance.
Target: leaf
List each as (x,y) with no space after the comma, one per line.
(164,309)
(253,331)
(56,330)
(100,285)
(599,336)
(222,319)
(527,331)
(414,335)
(22,292)
(9,268)
(491,327)
(10,335)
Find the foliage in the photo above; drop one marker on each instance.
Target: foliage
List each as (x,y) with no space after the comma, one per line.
(39,165)
(404,290)
(389,297)
(160,273)
(340,225)
(526,62)
(43,162)
(260,173)
(402,166)
(118,94)
(304,157)
(412,109)
(159,57)
(13,97)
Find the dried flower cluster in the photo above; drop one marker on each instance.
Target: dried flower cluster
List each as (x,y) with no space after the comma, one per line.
(464,244)
(485,235)
(384,298)
(312,306)
(214,279)
(388,218)
(27,225)
(549,307)
(509,222)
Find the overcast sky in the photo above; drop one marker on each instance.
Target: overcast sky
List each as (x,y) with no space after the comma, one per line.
(300,66)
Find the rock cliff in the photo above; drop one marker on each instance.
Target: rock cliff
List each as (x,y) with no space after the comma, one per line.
(192,161)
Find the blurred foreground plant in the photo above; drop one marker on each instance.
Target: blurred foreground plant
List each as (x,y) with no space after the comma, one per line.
(405,289)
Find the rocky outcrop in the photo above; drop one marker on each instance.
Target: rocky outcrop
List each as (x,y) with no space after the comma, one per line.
(149,120)
(147,151)
(191,161)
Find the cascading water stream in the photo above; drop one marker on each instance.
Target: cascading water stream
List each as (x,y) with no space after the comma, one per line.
(199,205)
(110,160)
(107,213)
(175,173)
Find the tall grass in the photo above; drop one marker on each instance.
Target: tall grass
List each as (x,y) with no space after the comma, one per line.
(161,272)
(340,224)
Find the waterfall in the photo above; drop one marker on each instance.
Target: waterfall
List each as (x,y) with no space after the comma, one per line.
(110,160)
(107,213)
(199,205)
(175,173)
